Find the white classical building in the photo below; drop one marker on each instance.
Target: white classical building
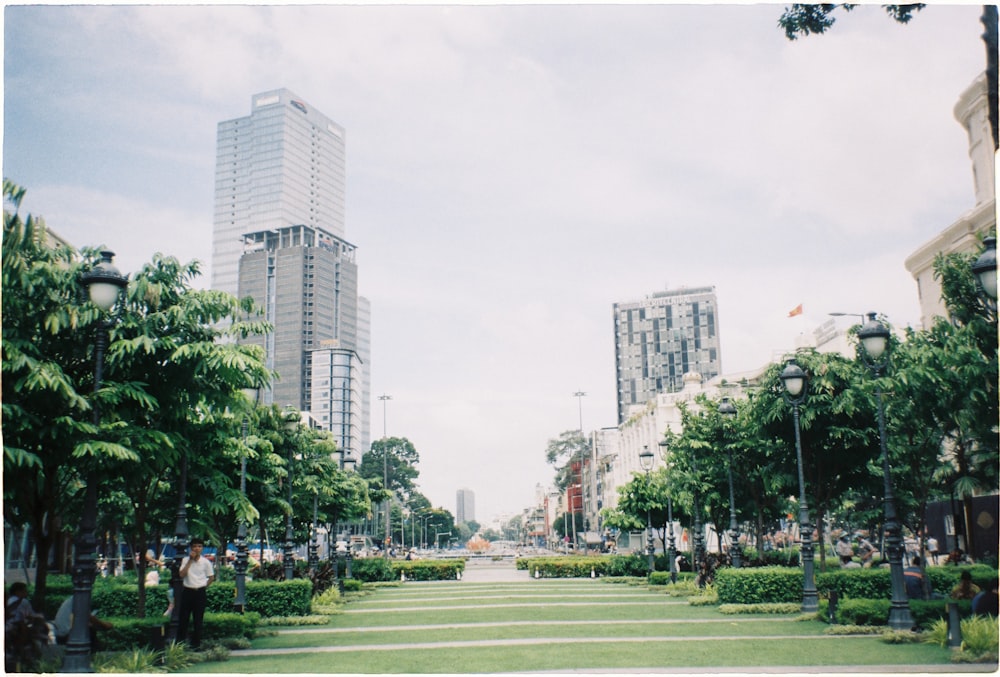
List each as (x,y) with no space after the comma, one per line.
(967,232)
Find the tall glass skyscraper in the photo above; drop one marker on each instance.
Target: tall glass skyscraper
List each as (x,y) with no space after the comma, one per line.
(662,337)
(279,238)
(282,165)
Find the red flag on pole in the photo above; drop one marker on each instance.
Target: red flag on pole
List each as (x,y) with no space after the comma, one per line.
(797,310)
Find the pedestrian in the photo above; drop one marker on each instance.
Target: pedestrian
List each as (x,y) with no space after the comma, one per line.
(844,547)
(25,630)
(197,573)
(986,602)
(965,589)
(63,623)
(913,576)
(932,548)
(866,551)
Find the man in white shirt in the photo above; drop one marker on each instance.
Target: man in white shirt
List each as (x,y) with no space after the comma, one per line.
(198,573)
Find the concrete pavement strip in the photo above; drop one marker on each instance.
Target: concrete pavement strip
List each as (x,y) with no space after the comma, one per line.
(499,624)
(526,641)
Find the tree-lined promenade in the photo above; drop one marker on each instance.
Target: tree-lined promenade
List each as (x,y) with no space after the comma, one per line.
(130,411)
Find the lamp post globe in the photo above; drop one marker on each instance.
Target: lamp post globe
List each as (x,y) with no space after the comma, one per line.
(671,543)
(793,378)
(874,339)
(728,412)
(874,351)
(104,284)
(985,269)
(646,461)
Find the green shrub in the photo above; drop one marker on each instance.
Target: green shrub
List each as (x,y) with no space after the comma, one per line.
(428,570)
(763,608)
(876,611)
(875,583)
(758,585)
(863,611)
(268,598)
(625,565)
(128,633)
(577,566)
(372,569)
(134,660)
(979,635)
(353,585)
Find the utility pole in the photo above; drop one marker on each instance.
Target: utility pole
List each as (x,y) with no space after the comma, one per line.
(385,473)
(579,395)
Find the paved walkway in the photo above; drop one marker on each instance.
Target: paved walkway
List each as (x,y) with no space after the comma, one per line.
(490,571)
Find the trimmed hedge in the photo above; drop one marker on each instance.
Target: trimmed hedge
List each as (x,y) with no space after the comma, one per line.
(372,570)
(663,577)
(582,566)
(129,633)
(876,583)
(428,570)
(763,585)
(876,611)
(267,598)
(784,584)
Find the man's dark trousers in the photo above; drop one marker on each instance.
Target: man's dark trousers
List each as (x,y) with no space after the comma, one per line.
(193,602)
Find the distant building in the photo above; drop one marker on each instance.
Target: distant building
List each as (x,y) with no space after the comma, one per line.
(661,338)
(278,237)
(967,232)
(305,279)
(465,506)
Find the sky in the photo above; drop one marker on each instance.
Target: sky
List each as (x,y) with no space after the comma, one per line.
(513,171)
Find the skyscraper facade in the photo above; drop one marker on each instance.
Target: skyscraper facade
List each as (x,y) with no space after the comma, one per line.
(282,165)
(465,505)
(279,238)
(662,337)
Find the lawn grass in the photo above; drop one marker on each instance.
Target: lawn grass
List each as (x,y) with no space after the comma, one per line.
(560,629)
(473,614)
(863,653)
(561,626)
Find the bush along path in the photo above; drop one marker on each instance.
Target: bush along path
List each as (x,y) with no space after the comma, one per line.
(550,624)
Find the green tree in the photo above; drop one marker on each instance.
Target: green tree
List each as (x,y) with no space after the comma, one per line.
(806,19)
(395,456)
(46,361)
(176,379)
(840,443)
(943,427)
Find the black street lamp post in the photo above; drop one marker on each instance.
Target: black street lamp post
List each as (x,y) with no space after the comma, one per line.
(699,529)
(288,557)
(314,543)
(728,411)
(104,285)
(347,463)
(671,543)
(794,380)
(239,602)
(646,460)
(874,341)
